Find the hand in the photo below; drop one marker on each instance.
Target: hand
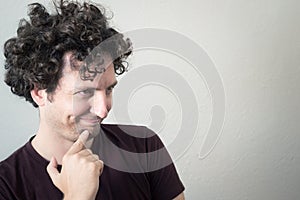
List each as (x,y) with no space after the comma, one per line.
(79,176)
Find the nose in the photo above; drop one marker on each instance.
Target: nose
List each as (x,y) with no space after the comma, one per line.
(100,105)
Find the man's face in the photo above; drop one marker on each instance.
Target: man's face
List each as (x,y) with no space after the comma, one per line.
(79,105)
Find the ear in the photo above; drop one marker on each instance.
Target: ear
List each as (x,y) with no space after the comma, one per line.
(39,96)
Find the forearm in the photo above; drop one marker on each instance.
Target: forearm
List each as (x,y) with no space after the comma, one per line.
(180,197)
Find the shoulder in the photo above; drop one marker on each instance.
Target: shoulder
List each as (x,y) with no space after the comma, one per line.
(138,131)
(12,161)
(134,134)
(133,144)
(15,164)
(145,154)
(10,170)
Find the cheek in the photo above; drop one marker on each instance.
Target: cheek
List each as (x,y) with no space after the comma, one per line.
(80,108)
(79,105)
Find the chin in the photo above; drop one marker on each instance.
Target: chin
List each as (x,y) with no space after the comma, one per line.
(93,130)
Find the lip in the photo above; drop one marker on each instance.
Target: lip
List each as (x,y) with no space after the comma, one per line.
(92,121)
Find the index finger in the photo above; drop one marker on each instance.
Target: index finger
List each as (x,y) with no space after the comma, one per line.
(79,144)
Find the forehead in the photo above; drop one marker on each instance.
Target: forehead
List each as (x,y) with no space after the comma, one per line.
(96,73)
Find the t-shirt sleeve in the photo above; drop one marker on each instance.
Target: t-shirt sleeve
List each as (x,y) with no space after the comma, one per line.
(2,195)
(4,191)
(164,180)
(165,183)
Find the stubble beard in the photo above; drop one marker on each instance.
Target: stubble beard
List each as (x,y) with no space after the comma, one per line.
(71,128)
(77,129)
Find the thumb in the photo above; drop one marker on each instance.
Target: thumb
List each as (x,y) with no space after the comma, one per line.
(79,144)
(83,137)
(52,171)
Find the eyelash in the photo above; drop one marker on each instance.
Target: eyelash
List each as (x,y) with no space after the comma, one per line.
(109,90)
(89,92)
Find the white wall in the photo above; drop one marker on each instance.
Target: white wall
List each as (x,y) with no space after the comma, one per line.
(255,47)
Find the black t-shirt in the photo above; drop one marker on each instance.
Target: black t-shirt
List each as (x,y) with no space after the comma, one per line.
(125,176)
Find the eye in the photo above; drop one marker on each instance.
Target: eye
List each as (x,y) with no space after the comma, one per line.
(85,93)
(109,90)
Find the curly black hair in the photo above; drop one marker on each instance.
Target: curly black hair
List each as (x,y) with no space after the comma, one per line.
(34,58)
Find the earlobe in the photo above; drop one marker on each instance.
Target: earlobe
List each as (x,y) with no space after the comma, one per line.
(39,96)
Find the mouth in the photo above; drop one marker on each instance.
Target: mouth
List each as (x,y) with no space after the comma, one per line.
(91,121)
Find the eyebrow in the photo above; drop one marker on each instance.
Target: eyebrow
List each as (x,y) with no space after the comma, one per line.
(87,87)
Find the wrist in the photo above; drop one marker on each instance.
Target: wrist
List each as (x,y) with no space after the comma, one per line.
(73,197)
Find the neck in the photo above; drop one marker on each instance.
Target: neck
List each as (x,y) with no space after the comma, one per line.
(49,144)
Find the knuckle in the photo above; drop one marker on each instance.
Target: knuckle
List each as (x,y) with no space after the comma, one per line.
(87,151)
(96,156)
(79,144)
(101,163)
(76,158)
(92,166)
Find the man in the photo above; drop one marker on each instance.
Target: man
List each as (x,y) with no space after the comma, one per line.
(65,65)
